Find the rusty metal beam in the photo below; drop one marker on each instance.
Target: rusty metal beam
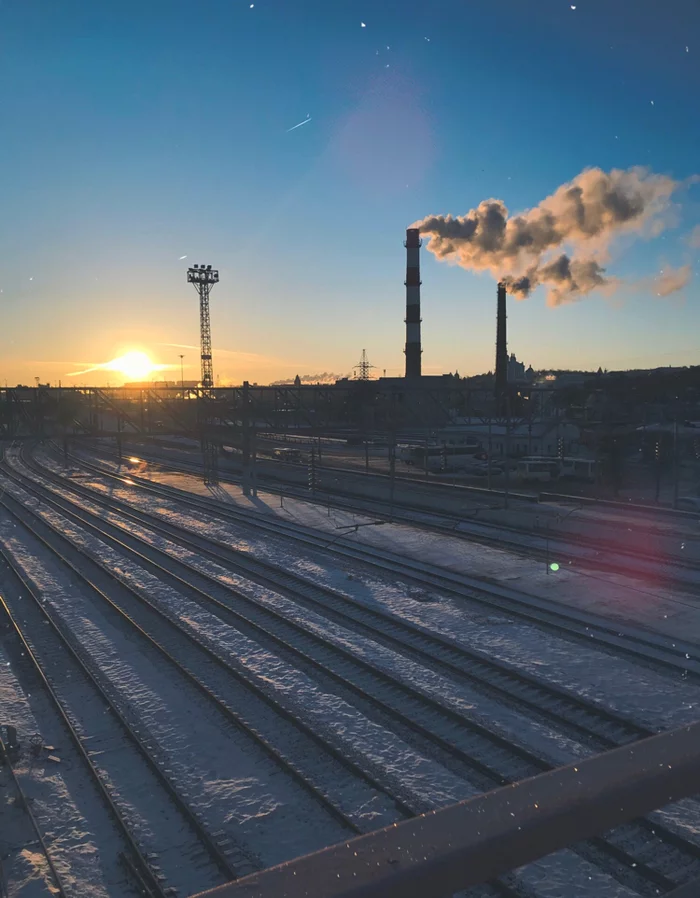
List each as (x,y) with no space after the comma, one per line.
(475,841)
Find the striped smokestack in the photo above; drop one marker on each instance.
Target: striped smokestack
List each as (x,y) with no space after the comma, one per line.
(413,347)
(501,348)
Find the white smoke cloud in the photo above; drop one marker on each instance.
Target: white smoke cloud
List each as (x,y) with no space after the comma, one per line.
(326,378)
(584,216)
(670,280)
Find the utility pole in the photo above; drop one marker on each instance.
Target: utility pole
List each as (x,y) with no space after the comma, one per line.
(203,279)
(182,375)
(657,457)
(507,448)
(313,480)
(246,441)
(392,472)
(676,466)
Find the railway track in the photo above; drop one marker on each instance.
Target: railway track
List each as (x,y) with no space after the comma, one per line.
(55,885)
(601,727)
(146,803)
(674,656)
(641,854)
(502,890)
(163,634)
(541,543)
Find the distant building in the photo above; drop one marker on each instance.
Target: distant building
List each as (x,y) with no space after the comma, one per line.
(516,370)
(517,373)
(533,438)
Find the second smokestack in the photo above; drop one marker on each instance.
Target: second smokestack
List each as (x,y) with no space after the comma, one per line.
(501,349)
(413,320)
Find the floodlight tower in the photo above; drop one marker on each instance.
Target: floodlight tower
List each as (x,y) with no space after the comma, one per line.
(204,279)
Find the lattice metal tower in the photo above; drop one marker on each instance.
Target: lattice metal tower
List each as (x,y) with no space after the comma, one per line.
(364,367)
(204,279)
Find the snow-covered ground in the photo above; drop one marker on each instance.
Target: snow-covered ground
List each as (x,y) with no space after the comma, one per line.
(639,601)
(231,785)
(618,682)
(614,681)
(651,528)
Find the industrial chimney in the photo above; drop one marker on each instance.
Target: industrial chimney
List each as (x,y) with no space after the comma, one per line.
(501,350)
(413,347)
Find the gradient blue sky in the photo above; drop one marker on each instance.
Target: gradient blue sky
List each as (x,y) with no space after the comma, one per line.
(138,132)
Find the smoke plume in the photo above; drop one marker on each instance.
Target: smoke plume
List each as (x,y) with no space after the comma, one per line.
(671,279)
(583,216)
(327,377)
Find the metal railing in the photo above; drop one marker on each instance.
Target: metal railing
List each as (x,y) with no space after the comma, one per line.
(475,841)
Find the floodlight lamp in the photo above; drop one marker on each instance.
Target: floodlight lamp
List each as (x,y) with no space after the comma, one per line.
(208,267)
(196,266)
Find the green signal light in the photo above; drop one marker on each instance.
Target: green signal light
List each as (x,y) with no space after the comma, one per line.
(554,566)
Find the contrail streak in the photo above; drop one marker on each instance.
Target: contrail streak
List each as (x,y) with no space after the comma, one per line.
(305,122)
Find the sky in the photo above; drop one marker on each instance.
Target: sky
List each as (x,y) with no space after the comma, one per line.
(138,133)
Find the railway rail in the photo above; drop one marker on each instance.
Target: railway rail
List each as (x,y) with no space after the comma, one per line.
(541,542)
(165,644)
(631,854)
(604,728)
(58,664)
(57,886)
(679,657)
(502,890)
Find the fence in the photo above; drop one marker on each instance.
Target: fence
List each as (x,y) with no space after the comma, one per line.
(478,840)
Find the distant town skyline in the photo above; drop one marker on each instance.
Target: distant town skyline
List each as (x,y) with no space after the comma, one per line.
(131,157)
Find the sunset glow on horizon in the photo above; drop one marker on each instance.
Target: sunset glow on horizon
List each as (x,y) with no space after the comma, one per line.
(301,194)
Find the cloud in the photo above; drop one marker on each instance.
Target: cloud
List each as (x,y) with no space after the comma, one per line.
(671,280)
(694,238)
(584,216)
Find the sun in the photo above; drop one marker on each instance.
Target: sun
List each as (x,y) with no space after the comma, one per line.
(134,365)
